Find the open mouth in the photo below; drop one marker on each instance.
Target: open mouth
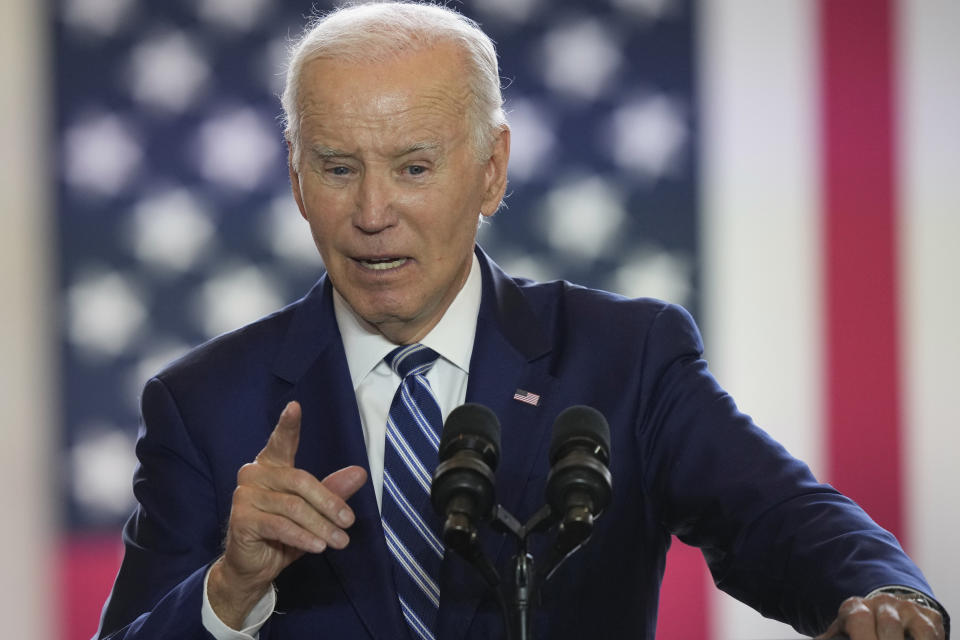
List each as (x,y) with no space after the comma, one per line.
(382,264)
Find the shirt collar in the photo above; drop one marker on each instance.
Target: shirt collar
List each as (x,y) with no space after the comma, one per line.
(452,337)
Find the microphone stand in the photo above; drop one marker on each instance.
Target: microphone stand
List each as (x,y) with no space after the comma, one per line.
(526,581)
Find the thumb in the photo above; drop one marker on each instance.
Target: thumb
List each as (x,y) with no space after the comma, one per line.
(346,481)
(281,448)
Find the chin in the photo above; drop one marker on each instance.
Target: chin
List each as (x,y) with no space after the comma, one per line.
(377,314)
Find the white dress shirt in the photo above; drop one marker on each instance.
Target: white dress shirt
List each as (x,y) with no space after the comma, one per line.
(375,385)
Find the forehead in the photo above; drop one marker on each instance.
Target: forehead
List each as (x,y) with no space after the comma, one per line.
(414,93)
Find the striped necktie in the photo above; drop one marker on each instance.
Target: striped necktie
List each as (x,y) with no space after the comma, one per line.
(410,457)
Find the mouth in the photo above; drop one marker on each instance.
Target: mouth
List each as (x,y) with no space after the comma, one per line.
(381,264)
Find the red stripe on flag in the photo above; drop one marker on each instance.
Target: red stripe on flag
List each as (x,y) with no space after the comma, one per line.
(684,611)
(862,394)
(87,568)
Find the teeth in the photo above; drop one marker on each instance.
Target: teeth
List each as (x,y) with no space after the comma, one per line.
(381,265)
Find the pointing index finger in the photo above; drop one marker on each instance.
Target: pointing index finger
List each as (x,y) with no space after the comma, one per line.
(281,448)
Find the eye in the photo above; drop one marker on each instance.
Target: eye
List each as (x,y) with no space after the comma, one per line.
(339,170)
(416,170)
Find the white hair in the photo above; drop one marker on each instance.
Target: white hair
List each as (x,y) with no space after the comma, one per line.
(375,32)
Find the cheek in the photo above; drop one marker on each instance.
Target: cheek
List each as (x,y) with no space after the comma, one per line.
(325,212)
(318,229)
(454,215)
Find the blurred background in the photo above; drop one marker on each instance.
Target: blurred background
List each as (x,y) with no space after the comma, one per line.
(786,170)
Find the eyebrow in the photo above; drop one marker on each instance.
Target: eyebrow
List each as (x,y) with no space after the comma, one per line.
(418,146)
(324,151)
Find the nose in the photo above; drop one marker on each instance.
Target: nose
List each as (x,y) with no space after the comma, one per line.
(374,209)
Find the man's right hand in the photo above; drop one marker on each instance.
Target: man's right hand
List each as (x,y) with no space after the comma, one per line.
(279,513)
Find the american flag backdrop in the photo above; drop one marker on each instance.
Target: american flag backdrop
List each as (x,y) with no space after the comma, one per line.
(786,170)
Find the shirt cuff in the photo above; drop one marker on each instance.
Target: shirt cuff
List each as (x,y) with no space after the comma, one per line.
(257,617)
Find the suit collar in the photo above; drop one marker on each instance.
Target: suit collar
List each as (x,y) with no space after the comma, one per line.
(312,330)
(508,311)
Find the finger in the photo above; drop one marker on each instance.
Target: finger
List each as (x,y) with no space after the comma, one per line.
(287,480)
(280,529)
(297,482)
(888,623)
(923,623)
(281,448)
(344,483)
(857,620)
(302,515)
(861,626)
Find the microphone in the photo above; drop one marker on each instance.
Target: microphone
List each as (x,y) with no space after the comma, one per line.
(462,492)
(579,485)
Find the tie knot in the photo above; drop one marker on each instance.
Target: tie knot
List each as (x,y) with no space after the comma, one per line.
(413,359)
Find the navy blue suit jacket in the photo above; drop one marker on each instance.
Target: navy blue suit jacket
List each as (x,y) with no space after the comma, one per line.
(685,461)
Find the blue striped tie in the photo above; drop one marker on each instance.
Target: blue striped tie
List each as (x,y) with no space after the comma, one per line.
(410,456)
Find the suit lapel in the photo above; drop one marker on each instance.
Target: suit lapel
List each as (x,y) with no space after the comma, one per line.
(509,354)
(331,437)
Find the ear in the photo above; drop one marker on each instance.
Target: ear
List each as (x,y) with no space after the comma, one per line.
(295,181)
(495,173)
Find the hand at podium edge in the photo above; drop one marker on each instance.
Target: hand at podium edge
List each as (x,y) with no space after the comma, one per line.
(884,616)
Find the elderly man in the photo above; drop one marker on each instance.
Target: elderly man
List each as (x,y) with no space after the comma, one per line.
(397,142)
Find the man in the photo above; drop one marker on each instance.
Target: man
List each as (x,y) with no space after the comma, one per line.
(397,142)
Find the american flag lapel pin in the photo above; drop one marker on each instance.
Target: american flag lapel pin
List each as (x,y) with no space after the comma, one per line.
(527,397)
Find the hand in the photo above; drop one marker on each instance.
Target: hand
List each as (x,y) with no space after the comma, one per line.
(885,617)
(278,513)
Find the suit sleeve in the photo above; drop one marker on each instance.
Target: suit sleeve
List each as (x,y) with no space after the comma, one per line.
(171,538)
(773,536)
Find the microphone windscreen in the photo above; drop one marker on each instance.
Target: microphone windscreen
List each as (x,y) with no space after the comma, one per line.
(466,423)
(581,425)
